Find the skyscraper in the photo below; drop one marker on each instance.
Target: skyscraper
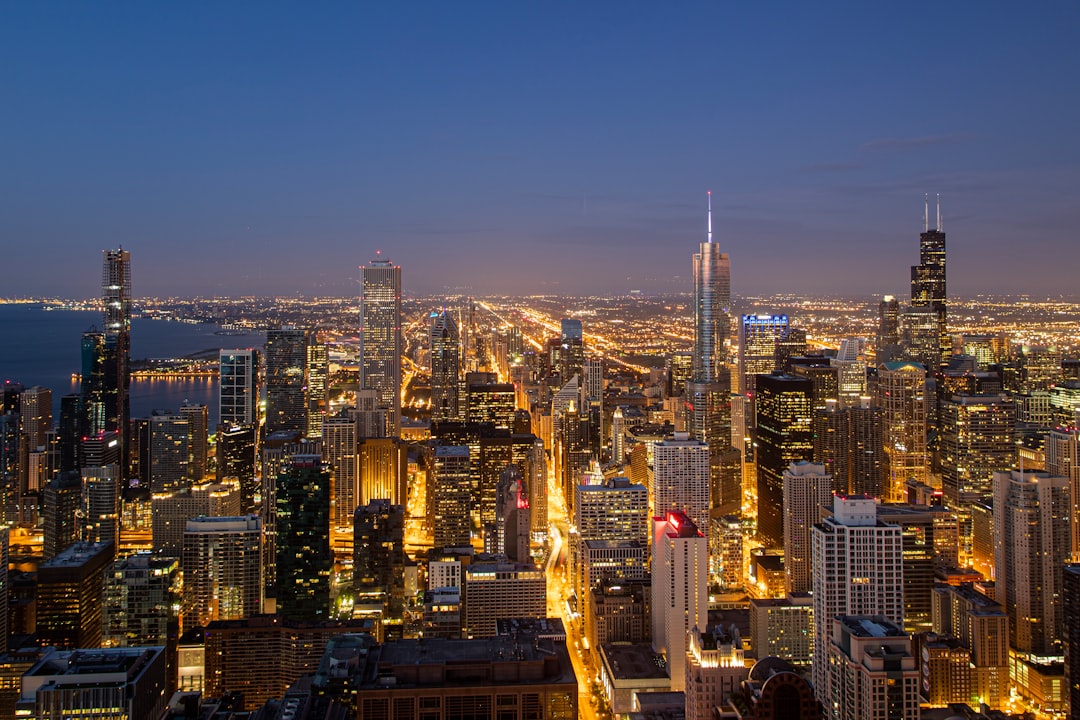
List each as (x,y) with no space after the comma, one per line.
(380,336)
(681,478)
(928,279)
(223,569)
(680,598)
(807,486)
(116,299)
(304,557)
(712,307)
(238,389)
(445,367)
(901,393)
(1071,611)
(758,336)
(198,432)
(978,437)
(888,325)
(861,562)
(170,453)
(318,375)
(286,379)
(784,435)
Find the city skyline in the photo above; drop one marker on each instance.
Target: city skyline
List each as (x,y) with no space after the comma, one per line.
(525,136)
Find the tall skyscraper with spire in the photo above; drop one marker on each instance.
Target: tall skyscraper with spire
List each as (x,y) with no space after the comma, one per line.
(380,337)
(116,301)
(708,393)
(928,278)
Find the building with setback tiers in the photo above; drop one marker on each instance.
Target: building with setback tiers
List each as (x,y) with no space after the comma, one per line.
(380,337)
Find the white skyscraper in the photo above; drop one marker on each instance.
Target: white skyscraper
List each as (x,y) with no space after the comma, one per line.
(380,337)
(860,562)
(807,486)
(681,478)
(680,596)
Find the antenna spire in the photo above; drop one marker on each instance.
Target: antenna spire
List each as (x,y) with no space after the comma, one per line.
(926,212)
(710,215)
(939,228)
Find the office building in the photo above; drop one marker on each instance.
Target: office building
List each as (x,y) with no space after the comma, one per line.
(5,589)
(1031,526)
(449,488)
(35,407)
(339,445)
(171,511)
(1071,611)
(170,452)
(61,501)
(304,557)
(238,387)
(1062,448)
(318,375)
(91,683)
(379,560)
(681,478)
(928,287)
(498,590)
(380,337)
(383,465)
(807,488)
(888,333)
(901,394)
(850,441)
(861,561)
(69,596)
(758,335)
(116,369)
(784,435)
(571,349)
(222,564)
(783,627)
(489,401)
(445,367)
(140,596)
(978,438)
(236,459)
(872,670)
(101,504)
(618,611)
(981,627)
(680,596)
(714,669)
(287,379)
(198,433)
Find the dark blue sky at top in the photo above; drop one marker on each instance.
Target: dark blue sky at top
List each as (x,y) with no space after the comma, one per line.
(240,148)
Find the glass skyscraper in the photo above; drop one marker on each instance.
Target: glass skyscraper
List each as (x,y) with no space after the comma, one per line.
(380,337)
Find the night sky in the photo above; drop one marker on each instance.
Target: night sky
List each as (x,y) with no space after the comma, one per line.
(270,148)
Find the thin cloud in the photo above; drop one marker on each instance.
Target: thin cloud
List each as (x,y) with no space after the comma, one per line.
(832,167)
(911,142)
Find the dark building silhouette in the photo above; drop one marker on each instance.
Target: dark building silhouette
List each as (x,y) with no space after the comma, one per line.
(304,557)
(784,420)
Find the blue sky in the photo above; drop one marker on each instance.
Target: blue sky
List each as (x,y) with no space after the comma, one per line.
(271,148)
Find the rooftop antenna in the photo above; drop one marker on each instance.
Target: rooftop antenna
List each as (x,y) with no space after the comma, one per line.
(926,212)
(939,228)
(709,192)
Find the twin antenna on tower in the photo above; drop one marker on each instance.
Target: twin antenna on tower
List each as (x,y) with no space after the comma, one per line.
(926,214)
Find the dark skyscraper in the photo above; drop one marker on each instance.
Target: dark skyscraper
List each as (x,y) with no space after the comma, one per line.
(445,367)
(888,324)
(571,349)
(116,298)
(1071,593)
(928,278)
(286,379)
(785,435)
(380,337)
(304,557)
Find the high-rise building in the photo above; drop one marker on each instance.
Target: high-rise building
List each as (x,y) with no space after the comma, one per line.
(681,478)
(35,406)
(714,669)
(61,501)
(101,504)
(382,465)
(139,598)
(236,459)
(499,590)
(380,337)
(318,375)
(339,452)
(571,349)
(616,510)
(287,379)
(888,333)
(978,438)
(680,598)
(171,511)
(901,394)
(445,367)
(1062,450)
(5,589)
(116,299)
(170,452)
(304,557)
(981,625)
(223,569)
(758,335)
(807,487)
(1031,524)
(861,573)
(783,627)
(379,561)
(69,596)
(712,308)
(198,432)
(1071,611)
(928,281)
(784,435)
(872,670)
(850,442)
(449,491)
(238,387)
